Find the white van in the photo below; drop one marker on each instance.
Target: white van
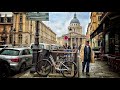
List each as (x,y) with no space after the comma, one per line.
(54,47)
(41,46)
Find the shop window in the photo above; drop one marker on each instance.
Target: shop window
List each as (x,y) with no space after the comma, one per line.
(117,43)
(107,43)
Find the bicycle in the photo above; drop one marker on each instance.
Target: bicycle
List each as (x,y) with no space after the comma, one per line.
(44,66)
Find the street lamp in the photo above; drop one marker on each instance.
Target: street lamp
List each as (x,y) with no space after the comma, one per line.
(35,47)
(4,35)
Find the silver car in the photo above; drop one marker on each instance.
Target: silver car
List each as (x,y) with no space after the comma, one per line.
(19,58)
(5,46)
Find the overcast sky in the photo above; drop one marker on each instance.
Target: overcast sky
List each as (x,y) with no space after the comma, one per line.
(59,21)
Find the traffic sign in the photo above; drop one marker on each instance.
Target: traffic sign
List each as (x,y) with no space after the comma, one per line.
(41,16)
(65,37)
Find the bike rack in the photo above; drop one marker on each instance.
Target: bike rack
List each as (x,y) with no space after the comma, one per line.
(68,53)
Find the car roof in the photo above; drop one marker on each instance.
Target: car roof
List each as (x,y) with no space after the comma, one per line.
(18,48)
(6,45)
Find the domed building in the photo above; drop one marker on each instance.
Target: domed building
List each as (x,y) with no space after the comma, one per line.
(74,35)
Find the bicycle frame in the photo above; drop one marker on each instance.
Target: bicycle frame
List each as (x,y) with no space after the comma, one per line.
(61,63)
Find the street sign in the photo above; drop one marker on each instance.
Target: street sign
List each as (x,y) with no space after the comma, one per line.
(41,16)
(65,37)
(37,14)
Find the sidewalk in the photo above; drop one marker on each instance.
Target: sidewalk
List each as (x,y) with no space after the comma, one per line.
(99,69)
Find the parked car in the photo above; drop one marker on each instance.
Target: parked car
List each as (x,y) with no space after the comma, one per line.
(4,69)
(5,46)
(97,52)
(19,58)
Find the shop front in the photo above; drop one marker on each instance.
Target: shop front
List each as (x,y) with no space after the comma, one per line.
(109,40)
(112,37)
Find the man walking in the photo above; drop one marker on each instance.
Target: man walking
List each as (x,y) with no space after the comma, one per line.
(87,56)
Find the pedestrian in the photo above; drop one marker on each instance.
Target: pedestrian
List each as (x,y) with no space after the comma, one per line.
(79,47)
(64,47)
(69,47)
(74,46)
(87,57)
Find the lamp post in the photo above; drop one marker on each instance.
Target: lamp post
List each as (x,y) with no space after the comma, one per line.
(31,32)
(4,35)
(35,48)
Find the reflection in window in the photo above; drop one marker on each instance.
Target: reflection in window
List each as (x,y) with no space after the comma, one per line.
(107,43)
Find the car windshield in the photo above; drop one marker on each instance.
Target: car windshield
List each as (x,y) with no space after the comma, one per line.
(10,52)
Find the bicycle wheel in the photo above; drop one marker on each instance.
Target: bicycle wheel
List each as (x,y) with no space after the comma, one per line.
(71,72)
(43,67)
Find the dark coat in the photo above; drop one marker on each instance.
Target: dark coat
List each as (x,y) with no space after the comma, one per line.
(85,54)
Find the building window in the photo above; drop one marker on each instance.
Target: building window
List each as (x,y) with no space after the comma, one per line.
(20,29)
(11,39)
(20,39)
(20,17)
(99,18)
(8,19)
(2,19)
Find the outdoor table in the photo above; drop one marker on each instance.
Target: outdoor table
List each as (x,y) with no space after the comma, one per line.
(111,61)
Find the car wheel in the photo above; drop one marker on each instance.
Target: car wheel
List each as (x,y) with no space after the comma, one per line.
(4,70)
(23,67)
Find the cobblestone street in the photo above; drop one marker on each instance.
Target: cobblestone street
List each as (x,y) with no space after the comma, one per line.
(99,69)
